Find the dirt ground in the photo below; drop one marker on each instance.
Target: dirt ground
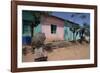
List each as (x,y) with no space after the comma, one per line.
(72,52)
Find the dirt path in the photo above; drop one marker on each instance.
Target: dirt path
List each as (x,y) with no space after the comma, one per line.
(70,53)
(74,52)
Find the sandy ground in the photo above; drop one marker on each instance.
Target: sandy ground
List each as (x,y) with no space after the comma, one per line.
(74,52)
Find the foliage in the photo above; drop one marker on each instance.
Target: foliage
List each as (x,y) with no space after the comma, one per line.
(37,19)
(82,29)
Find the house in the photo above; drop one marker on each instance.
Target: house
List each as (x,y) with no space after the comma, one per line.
(55,28)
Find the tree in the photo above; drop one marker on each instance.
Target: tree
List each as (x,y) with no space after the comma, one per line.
(74,27)
(84,32)
(85,26)
(37,19)
(74,30)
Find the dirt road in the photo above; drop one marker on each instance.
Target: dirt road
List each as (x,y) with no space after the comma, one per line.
(74,52)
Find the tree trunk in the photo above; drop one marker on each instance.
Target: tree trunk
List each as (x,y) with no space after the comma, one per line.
(32,30)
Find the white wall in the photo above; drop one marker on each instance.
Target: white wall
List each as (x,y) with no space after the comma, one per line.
(5,32)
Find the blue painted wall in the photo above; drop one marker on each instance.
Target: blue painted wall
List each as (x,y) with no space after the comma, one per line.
(68,34)
(27,17)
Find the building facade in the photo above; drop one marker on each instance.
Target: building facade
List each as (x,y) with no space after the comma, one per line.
(55,28)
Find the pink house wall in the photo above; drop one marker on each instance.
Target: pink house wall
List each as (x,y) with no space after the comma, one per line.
(46,28)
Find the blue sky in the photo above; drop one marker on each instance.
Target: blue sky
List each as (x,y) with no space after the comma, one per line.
(76,18)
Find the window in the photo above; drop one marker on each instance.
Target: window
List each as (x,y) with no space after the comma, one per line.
(53,28)
(26,29)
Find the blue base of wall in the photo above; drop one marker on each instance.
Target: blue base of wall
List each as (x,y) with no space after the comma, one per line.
(26,40)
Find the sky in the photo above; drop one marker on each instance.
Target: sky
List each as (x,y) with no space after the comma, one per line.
(76,18)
